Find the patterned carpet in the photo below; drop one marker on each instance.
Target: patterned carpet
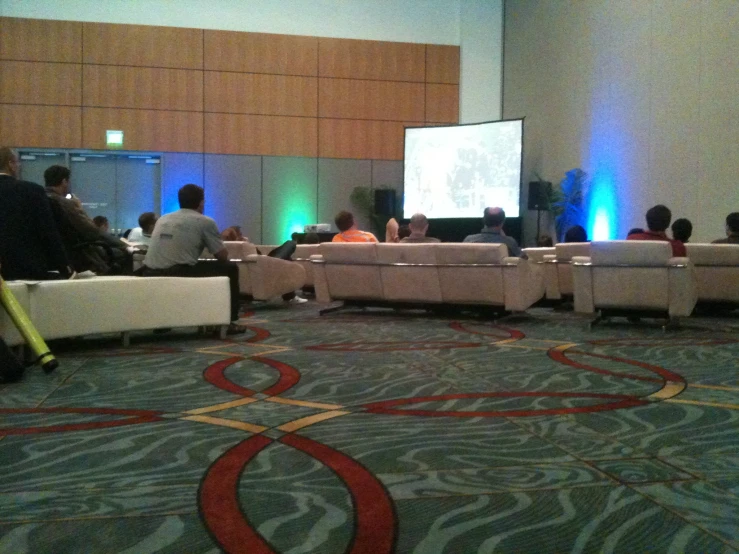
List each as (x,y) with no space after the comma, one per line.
(376,432)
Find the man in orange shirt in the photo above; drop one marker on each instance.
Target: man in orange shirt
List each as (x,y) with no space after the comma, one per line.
(348,231)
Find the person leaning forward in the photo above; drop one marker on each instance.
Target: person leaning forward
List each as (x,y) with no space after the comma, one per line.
(178,240)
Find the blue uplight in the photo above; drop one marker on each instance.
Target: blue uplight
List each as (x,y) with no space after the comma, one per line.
(602,214)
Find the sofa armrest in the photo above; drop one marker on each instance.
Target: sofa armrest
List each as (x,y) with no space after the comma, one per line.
(682,288)
(551,277)
(582,284)
(272,277)
(320,280)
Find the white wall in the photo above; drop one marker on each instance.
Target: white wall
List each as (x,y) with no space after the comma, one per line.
(425,21)
(481,33)
(642,94)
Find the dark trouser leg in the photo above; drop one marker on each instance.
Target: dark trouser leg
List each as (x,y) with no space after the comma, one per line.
(284,251)
(208,269)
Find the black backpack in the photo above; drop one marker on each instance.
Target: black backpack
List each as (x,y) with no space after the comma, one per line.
(11,370)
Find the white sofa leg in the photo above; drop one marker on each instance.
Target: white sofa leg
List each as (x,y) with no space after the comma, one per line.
(126,339)
(222,332)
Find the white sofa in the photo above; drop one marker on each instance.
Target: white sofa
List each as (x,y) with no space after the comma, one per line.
(558,269)
(260,276)
(716,271)
(97,305)
(633,277)
(425,275)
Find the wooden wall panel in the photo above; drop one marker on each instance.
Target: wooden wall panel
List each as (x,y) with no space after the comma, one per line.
(371,59)
(260,135)
(40,83)
(369,140)
(442,64)
(260,94)
(442,103)
(144,129)
(261,53)
(40,40)
(40,126)
(143,87)
(143,45)
(381,100)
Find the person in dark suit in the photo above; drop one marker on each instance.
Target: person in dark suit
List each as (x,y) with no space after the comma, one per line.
(30,244)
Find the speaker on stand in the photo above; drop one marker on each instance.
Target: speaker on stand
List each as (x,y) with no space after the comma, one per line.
(539,194)
(385,202)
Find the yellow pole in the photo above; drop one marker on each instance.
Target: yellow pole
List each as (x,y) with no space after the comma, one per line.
(26,328)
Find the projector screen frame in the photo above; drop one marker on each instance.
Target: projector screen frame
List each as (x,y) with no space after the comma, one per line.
(520,177)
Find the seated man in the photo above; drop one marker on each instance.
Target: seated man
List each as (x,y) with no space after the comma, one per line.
(682,229)
(88,248)
(348,231)
(493,219)
(30,245)
(418,225)
(233,233)
(658,220)
(732,230)
(102,223)
(576,233)
(142,233)
(178,240)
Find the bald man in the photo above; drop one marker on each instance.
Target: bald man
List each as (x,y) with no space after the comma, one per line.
(493,219)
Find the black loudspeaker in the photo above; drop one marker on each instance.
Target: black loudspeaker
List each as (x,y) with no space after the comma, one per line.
(385,202)
(539,192)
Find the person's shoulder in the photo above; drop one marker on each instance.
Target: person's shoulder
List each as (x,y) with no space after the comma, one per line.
(720,241)
(473,238)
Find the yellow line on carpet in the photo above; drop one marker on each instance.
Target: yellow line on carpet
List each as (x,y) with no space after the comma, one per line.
(222,406)
(565,346)
(310,420)
(672,388)
(713,387)
(711,404)
(303,403)
(240,425)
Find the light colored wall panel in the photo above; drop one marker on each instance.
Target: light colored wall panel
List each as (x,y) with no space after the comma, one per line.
(381,100)
(367,140)
(336,181)
(40,126)
(143,87)
(442,64)
(370,59)
(261,94)
(40,40)
(442,103)
(719,120)
(144,129)
(233,193)
(261,53)
(289,196)
(143,45)
(179,169)
(40,83)
(260,135)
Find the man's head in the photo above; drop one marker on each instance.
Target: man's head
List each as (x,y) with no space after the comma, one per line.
(682,229)
(732,223)
(419,224)
(101,222)
(9,161)
(658,218)
(147,220)
(344,221)
(191,197)
(57,177)
(493,217)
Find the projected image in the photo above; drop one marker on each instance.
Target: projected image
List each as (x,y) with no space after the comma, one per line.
(459,171)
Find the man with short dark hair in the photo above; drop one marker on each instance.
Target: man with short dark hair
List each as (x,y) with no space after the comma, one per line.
(179,239)
(682,229)
(658,220)
(418,225)
(102,223)
(142,233)
(732,230)
(493,219)
(88,247)
(30,245)
(348,231)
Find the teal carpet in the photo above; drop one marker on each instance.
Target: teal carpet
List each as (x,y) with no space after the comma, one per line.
(377,432)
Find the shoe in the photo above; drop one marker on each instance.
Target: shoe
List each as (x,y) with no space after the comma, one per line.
(235,329)
(297,300)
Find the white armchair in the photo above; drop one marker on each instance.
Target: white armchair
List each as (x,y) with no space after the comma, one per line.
(558,269)
(716,272)
(633,278)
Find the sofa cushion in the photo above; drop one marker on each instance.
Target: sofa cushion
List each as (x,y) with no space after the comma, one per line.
(391,253)
(470,253)
(713,254)
(630,252)
(338,252)
(566,250)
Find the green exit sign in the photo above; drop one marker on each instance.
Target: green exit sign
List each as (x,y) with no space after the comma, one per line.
(114,139)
